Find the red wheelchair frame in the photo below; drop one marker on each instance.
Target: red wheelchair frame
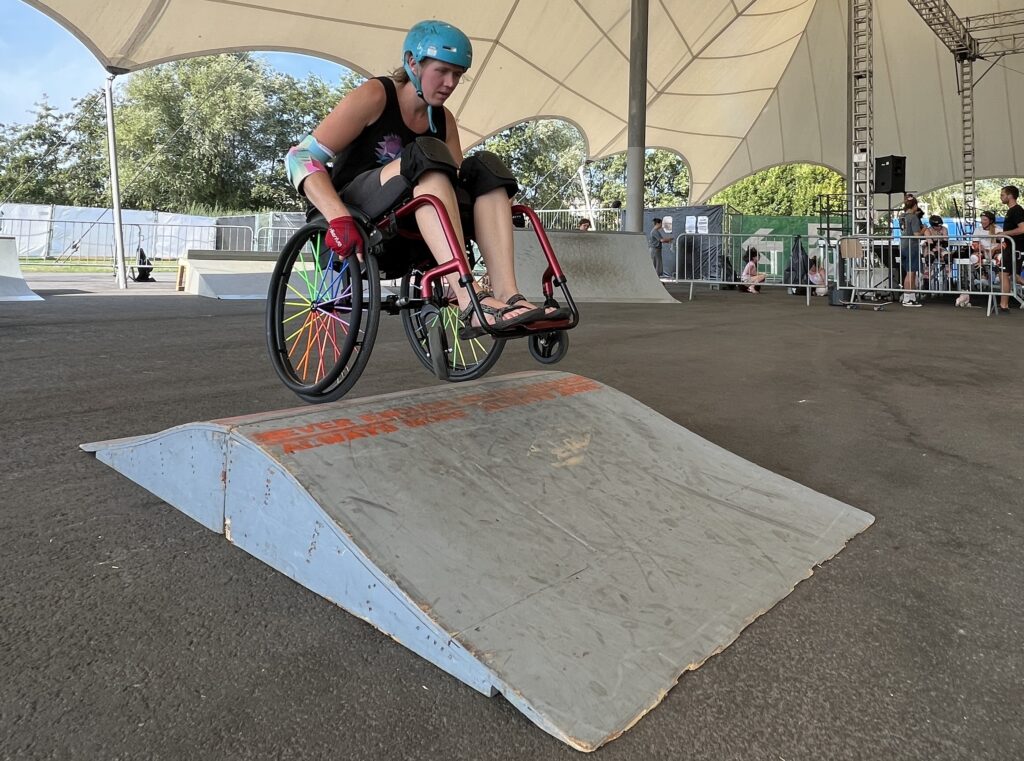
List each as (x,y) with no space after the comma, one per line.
(337,290)
(459,263)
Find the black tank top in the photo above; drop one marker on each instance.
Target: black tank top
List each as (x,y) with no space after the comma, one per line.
(381,142)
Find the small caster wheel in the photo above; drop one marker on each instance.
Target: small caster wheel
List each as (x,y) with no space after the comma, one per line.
(550,347)
(436,344)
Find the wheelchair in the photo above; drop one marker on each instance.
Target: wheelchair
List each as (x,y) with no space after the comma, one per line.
(323,312)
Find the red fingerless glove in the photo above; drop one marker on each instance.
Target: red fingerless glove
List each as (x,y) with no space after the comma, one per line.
(343,237)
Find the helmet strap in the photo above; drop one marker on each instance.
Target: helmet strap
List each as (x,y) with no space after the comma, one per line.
(419,91)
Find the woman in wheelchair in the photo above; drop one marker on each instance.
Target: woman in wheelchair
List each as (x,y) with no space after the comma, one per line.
(392,139)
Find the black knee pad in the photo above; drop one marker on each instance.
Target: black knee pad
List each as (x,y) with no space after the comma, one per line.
(483,172)
(427,154)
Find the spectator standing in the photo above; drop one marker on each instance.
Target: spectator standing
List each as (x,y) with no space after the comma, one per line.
(616,222)
(655,239)
(1013,226)
(910,250)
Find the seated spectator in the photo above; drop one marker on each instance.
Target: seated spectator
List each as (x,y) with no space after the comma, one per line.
(933,252)
(584,226)
(936,236)
(750,276)
(816,276)
(985,238)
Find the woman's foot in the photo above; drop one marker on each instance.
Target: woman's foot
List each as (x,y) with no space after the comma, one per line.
(519,300)
(497,315)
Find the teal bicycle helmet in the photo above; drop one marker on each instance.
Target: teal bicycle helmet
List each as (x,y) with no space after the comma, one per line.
(438,40)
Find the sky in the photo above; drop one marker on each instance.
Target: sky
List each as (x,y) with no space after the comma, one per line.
(37,57)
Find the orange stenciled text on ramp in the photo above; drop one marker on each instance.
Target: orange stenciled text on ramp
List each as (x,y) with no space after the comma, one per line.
(325,433)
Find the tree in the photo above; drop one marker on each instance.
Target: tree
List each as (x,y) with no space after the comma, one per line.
(545,156)
(85,171)
(949,201)
(788,190)
(32,157)
(666,179)
(191,130)
(208,133)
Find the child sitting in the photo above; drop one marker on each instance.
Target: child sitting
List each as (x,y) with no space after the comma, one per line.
(816,276)
(750,276)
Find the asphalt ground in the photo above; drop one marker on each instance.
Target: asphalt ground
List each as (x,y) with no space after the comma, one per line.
(127,631)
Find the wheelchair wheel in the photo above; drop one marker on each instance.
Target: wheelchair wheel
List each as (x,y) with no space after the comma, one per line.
(550,347)
(463,359)
(322,316)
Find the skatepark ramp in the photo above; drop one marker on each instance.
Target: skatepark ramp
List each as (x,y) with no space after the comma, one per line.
(537,535)
(601,266)
(236,275)
(12,282)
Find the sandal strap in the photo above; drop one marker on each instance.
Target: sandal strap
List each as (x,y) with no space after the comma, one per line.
(516,308)
(515,298)
(466,315)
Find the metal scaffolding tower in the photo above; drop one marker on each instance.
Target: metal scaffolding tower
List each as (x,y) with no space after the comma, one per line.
(861,120)
(962,38)
(965,69)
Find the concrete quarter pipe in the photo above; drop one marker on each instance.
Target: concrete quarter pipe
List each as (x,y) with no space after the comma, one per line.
(12,282)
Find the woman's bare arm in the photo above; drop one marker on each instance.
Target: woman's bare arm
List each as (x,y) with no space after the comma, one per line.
(354,112)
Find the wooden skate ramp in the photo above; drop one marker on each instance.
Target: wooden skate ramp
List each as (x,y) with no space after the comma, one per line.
(537,535)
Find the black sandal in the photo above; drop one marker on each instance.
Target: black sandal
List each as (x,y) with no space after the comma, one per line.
(560,313)
(468,330)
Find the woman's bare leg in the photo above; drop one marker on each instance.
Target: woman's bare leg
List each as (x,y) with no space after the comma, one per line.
(492,220)
(439,185)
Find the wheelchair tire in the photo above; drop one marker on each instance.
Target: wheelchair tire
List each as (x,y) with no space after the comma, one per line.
(322,316)
(464,359)
(550,347)
(436,344)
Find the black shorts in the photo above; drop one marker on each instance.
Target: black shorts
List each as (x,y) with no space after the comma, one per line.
(1007,260)
(375,200)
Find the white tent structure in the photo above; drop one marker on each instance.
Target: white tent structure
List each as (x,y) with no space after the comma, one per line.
(734,86)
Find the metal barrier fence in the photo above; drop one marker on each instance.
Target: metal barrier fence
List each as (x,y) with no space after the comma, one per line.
(963,266)
(90,244)
(717,260)
(920,265)
(273,238)
(606,220)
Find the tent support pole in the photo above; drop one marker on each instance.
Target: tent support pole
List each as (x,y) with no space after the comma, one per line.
(115,187)
(636,131)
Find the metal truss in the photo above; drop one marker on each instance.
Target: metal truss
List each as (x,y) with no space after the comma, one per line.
(861,115)
(967,46)
(947,26)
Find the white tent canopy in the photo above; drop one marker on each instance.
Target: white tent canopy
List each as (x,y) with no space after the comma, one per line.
(734,86)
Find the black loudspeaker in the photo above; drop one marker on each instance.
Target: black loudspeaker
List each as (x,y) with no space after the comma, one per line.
(891,174)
